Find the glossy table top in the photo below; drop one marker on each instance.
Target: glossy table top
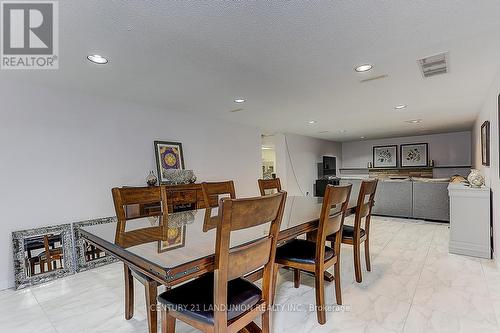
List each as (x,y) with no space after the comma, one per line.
(187,240)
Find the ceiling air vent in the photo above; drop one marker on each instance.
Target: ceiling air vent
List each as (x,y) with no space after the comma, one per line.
(434,65)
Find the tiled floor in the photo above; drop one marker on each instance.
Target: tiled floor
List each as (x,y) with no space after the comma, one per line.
(414,286)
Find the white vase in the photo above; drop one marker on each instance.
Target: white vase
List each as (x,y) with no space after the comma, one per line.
(475,178)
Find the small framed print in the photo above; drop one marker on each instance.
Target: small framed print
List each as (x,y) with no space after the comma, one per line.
(385,156)
(414,155)
(485,143)
(169,156)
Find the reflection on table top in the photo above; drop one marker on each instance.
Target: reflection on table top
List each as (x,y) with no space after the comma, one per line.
(197,244)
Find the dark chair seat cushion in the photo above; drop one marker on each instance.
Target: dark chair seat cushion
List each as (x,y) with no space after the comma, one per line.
(301,251)
(348,231)
(196,298)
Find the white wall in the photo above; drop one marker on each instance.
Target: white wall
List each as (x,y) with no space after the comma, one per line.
(302,156)
(447,149)
(62,152)
(489,112)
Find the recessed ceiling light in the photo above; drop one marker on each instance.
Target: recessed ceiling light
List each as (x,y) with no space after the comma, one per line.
(401,106)
(97,59)
(414,121)
(362,137)
(342,131)
(363,68)
(311,122)
(240,100)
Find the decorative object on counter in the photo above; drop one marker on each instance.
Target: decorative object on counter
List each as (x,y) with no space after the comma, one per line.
(431,163)
(475,178)
(169,156)
(457,179)
(89,256)
(151,179)
(485,143)
(42,254)
(385,156)
(191,177)
(369,165)
(176,177)
(414,155)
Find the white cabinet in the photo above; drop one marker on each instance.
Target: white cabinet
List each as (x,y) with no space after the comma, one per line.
(470,230)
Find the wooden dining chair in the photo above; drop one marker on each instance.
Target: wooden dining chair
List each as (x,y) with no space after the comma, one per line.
(223,301)
(357,234)
(314,256)
(269,184)
(131,196)
(212,193)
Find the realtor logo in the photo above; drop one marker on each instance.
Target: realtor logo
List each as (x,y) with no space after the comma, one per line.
(29,32)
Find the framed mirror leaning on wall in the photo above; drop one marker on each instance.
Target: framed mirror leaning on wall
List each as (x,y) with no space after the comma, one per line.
(42,254)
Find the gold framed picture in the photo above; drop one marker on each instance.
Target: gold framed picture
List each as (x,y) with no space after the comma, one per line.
(169,156)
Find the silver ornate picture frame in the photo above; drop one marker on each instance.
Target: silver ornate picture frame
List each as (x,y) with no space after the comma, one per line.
(90,258)
(37,240)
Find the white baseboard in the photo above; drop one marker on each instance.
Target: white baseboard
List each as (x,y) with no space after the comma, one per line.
(6,284)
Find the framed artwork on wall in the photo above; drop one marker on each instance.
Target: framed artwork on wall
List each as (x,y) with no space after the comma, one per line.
(485,143)
(169,156)
(414,155)
(385,156)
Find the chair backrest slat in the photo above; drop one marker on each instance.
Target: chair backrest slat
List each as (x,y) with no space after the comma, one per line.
(269,184)
(212,193)
(336,197)
(365,204)
(128,196)
(249,258)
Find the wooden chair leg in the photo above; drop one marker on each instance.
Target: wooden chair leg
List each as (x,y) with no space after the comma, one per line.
(338,292)
(357,263)
(129,293)
(274,282)
(266,322)
(167,322)
(296,278)
(367,255)
(151,304)
(320,298)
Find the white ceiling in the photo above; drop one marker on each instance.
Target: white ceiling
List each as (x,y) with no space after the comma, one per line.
(292,60)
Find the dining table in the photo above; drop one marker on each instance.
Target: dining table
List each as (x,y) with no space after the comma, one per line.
(191,251)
